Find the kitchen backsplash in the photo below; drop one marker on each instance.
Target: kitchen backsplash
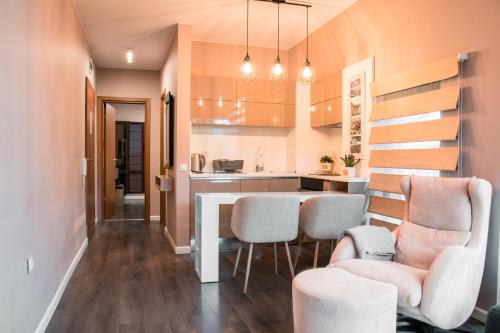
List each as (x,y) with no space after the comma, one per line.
(242,143)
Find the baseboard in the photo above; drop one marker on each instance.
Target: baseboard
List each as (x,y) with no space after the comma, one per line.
(44,322)
(133,197)
(479,314)
(177,249)
(154,218)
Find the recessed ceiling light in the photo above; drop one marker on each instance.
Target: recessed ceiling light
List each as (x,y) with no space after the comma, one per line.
(129,56)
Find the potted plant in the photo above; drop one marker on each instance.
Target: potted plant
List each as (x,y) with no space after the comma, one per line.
(326,164)
(350,161)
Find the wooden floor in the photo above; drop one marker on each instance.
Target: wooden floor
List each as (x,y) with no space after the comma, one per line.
(129,280)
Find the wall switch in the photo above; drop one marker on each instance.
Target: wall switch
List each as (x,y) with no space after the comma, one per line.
(30,264)
(183,167)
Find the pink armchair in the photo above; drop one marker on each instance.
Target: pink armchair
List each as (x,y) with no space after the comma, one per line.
(440,250)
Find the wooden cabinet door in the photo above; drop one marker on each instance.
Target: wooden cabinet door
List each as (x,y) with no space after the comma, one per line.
(284,185)
(213,87)
(213,112)
(255,185)
(326,113)
(289,116)
(326,88)
(262,91)
(261,114)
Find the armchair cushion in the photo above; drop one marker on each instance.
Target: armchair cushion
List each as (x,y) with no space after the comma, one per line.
(440,203)
(408,280)
(418,246)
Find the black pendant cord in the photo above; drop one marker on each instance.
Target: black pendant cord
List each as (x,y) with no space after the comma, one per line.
(248,7)
(307,33)
(278,30)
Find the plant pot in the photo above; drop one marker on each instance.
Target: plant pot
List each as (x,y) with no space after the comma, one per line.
(327,167)
(349,172)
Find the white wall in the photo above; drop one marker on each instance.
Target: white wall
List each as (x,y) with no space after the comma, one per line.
(242,143)
(43,64)
(129,112)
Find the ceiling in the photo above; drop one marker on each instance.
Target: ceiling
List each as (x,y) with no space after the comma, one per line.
(148,26)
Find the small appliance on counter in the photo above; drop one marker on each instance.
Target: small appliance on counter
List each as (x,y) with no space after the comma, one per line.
(198,162)
(229,166)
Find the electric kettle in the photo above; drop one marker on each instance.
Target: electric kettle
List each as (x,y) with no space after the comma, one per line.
(197,163)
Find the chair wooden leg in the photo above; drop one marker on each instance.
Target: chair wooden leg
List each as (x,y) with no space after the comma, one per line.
(316,251)
(275,259)
(289,259)
(301,240)
(247,273)
(237,260)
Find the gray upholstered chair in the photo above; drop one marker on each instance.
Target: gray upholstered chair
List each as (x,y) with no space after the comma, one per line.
(440,250)
(265,219)
(326,217)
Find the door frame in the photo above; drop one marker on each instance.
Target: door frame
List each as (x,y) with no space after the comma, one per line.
(90,158)
(101,101)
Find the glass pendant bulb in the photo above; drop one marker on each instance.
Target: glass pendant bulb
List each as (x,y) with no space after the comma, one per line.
(277,70)
(307,75)
(247,69)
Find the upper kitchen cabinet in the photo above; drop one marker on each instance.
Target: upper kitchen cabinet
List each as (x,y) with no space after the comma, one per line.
(327,113)
(213,112)
(266,114)
(326,88)
(213,87)
(262,91)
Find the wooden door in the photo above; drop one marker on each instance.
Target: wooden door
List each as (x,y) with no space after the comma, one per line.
(135,158)
(89,156)
(109,161)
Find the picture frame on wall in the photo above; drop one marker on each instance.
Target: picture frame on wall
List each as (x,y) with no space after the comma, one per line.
(168,118)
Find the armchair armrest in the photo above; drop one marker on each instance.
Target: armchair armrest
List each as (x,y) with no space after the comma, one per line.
(451,287)
(344,250)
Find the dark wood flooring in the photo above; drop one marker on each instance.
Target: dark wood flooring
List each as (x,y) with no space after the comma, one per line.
(129,280)
(130,209)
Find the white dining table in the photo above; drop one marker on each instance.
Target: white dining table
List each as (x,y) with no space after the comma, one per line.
(207,227)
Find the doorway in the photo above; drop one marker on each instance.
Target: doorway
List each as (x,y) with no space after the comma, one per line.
(123,150)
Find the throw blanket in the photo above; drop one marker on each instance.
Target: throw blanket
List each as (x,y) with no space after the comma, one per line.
(372,242)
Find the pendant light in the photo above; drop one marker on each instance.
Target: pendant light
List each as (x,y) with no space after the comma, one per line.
(247,69)
(277,70)
(307,75)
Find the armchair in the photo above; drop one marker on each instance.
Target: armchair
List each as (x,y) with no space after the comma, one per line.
(440,250)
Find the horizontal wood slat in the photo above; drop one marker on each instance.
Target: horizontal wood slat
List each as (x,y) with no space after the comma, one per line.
(434,72)
(435,100)
(379,223)
(432,130)
(387,207)
(385,182)
(431,159)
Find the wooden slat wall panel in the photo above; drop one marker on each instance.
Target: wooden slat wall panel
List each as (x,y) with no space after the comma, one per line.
(435,100)
(427,159)
(387,207)
(379,223)
(434,72)
(385,182)
(434,130)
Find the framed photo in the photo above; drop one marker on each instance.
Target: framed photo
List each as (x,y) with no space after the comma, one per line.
(168,131)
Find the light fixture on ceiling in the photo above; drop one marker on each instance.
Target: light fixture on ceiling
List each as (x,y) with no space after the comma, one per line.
(247,69)
(277,70)
(307,75)
(129,55)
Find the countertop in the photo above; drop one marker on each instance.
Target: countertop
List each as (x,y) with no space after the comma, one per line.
(263,175)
